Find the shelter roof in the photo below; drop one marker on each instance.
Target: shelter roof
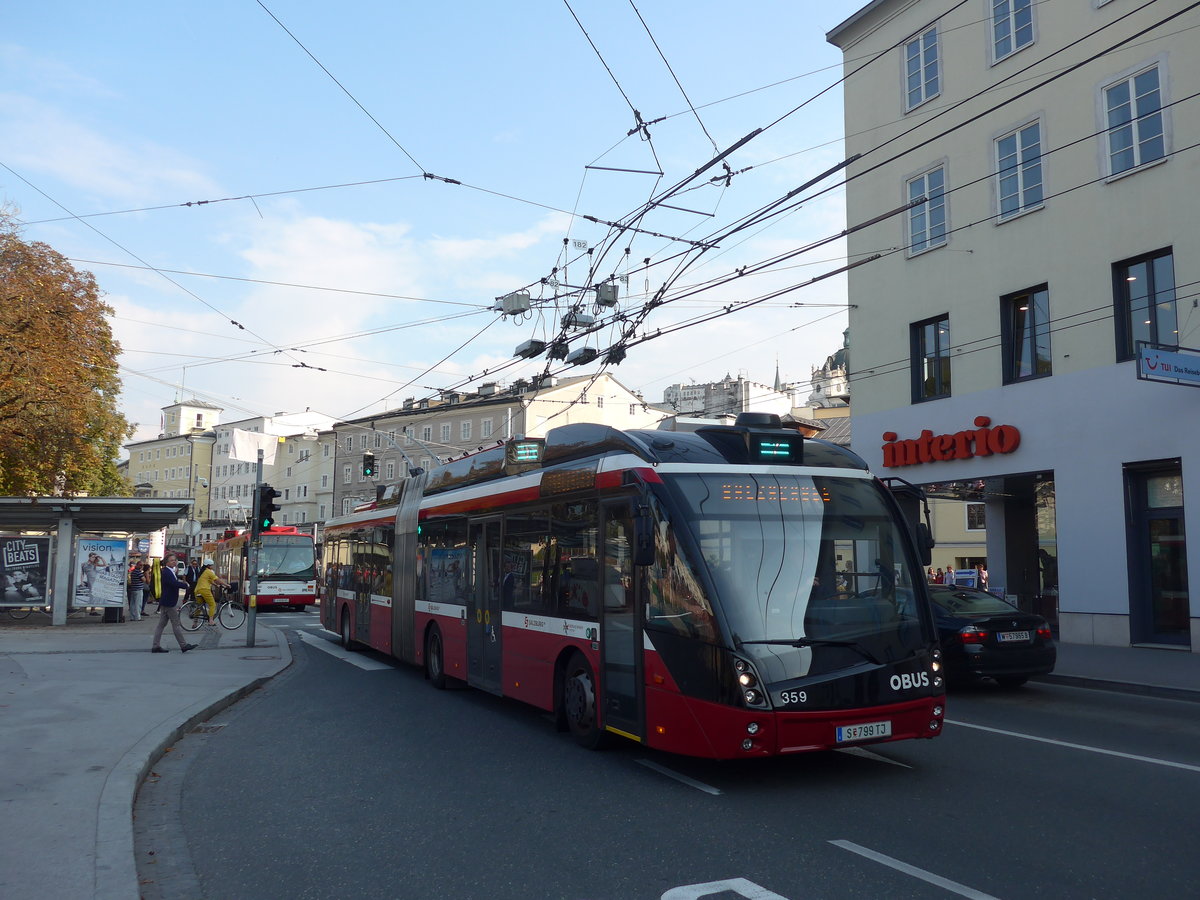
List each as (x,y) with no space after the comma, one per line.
(95,514)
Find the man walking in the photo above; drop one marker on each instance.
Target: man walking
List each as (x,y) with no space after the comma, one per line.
(168,607)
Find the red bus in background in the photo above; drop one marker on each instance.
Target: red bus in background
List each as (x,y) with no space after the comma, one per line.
(287,567)
(736,592)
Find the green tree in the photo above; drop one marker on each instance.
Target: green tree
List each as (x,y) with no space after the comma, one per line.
(60,430)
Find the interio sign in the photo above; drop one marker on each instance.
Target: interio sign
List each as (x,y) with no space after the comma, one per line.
(983,440)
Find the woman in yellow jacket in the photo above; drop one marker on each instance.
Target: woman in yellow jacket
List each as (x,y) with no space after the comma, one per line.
(204,589)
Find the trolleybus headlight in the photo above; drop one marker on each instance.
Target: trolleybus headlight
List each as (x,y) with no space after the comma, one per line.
(753,697)
(752,728)
(937,711)
(937,653)
(746,680)
(937,681)
(935,666)
(934,725)
(740,665)
(747,744)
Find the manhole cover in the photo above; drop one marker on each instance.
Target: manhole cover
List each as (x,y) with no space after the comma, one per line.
(260,657)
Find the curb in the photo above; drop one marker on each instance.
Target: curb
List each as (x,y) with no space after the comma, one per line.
(1122,687)
(116,866)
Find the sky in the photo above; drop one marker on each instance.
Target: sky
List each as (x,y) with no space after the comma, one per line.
(249,183)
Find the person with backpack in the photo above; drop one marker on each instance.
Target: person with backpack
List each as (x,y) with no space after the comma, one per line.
(168,607)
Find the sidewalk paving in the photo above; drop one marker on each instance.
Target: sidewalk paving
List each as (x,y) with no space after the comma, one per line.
(86,709)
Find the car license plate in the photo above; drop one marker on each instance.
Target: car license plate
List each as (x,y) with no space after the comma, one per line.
(1008,636)
(864,731)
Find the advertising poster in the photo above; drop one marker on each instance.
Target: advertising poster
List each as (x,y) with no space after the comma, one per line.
(101,571)
(24,570)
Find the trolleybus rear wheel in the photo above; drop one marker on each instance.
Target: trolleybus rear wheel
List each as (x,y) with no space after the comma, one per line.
(579,702)
(347,641)
(435,661)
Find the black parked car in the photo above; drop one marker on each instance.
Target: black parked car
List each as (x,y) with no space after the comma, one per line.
(984,636)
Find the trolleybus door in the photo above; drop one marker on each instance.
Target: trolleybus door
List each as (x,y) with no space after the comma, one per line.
(483,612)
(620,618)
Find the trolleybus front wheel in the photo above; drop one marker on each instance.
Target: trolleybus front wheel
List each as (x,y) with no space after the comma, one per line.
(347,641)
(579,702)
(435,661)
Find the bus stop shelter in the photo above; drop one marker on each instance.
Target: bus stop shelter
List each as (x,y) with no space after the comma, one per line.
(65,518)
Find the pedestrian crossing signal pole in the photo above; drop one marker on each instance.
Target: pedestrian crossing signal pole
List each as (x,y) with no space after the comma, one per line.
(255,541)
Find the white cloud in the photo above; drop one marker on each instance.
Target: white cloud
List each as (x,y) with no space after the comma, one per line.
(42,141)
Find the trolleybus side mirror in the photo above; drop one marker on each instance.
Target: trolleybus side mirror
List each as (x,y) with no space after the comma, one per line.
(913,505)
(643,537)
(925,543)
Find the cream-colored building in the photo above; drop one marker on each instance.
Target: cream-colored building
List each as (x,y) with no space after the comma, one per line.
(1030,175)
(178,463)
(424,433)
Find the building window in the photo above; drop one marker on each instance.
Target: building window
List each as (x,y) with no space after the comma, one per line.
(1025,327)
(485,428)
(378,440)
(1012,26)
(347,474)
(362,442)
(931,359)
(389,469)
(921,80)
(975,517)
(466,430)
(349,443)
(1019,170)
(599,403)
(1135,122)
(324,481)
(927,220)
(1144,298)
(445,432)
(426,433)
(321,511)
(347,505)
(325,451)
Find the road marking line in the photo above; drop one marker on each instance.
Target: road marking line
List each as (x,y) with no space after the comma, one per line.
(355,659)
(1068,744)
(690,782)
(867,754)
(945,883)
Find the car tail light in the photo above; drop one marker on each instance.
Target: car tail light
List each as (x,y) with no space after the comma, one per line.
(972,635)
(1044,633)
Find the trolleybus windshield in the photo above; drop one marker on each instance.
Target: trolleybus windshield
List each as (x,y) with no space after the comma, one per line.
(286,556)
(805,568)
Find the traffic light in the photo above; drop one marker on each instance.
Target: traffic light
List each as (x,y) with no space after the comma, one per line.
(368,468)
(266,507)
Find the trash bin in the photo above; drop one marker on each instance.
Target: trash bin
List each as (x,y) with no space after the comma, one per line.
(113,614)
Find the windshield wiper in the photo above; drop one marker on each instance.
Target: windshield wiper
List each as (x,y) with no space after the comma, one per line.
(819,642)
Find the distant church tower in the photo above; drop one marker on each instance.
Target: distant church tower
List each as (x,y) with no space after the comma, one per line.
(831,382)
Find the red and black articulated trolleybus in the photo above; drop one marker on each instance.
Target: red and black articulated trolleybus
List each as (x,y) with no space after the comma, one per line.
(735,592)
(287,566)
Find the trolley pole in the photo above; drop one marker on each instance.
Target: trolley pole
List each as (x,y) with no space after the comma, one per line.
(255,541)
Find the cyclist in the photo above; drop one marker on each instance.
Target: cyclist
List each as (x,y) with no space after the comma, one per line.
(204,590)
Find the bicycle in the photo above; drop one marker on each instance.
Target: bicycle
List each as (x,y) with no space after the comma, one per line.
(230,613)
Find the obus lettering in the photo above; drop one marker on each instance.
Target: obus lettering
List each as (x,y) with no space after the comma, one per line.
(983,440)
(910,680)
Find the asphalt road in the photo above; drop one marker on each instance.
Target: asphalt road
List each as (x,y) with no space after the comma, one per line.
(340,781)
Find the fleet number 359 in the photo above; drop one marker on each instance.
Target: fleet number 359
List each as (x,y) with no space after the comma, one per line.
(793,696)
